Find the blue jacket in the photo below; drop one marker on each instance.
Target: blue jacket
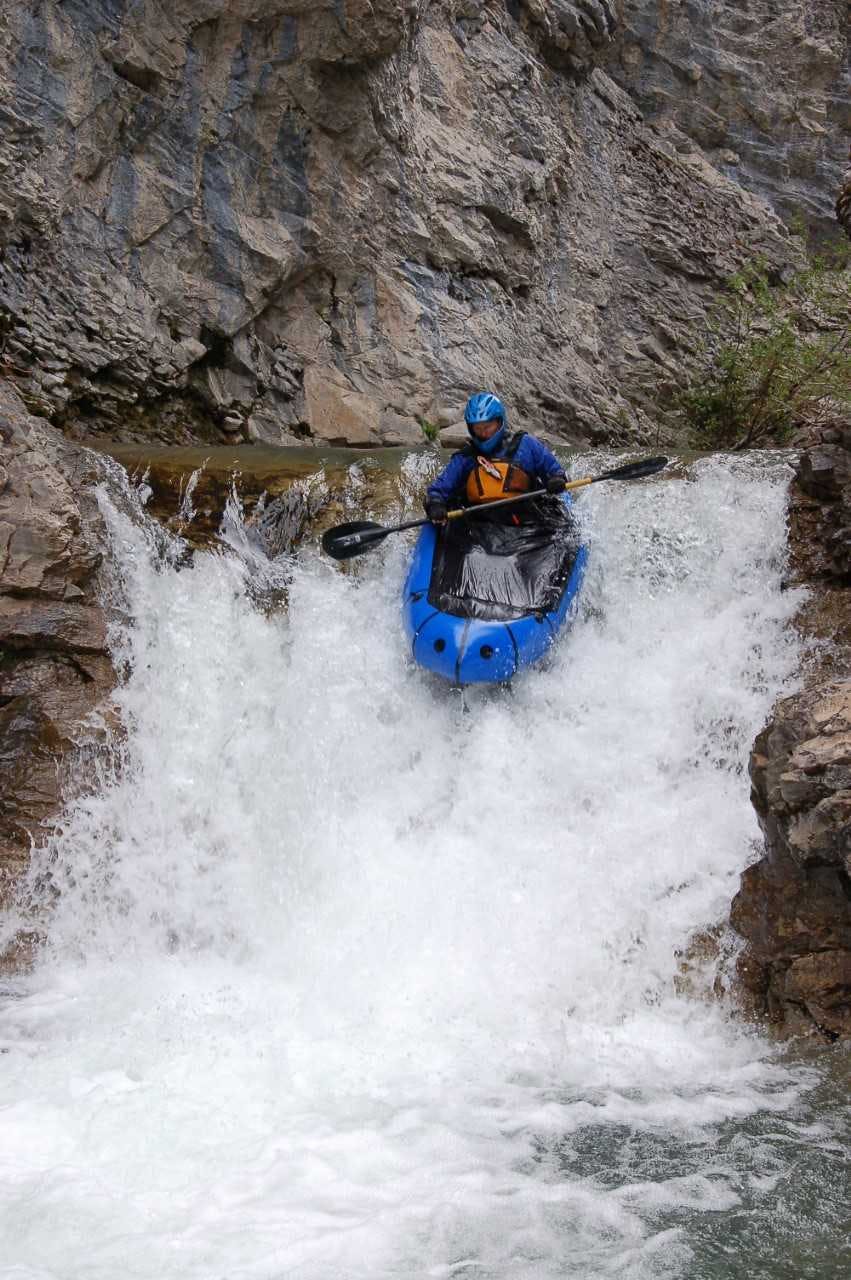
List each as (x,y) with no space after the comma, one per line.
(532,456)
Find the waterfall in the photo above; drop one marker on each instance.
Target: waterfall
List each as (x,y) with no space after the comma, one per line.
(343,980)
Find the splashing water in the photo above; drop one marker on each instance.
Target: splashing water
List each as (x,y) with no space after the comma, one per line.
(342,982)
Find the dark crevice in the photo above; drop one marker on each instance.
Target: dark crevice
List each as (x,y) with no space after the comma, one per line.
(218,349)
(143,78)
(15,655)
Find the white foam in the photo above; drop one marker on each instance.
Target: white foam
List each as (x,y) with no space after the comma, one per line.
(336,970)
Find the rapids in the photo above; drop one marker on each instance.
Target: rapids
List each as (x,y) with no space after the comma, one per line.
(343,981)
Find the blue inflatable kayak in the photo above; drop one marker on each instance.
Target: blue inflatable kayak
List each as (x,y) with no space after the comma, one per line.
(484,599)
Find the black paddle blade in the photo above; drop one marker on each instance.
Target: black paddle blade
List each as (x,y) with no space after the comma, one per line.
(347,540)
(635,470)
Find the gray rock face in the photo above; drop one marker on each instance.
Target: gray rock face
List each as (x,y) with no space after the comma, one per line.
(763,87)
(54,668)
(569,32)
(329,220)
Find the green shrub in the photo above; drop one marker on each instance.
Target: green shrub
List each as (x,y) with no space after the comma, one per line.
(777,356)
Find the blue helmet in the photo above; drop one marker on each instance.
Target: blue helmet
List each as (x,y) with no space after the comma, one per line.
(484,407)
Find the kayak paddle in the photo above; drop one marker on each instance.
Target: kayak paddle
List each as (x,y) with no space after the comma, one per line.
(632,471)
(352,539)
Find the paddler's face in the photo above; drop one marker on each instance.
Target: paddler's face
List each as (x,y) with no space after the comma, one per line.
(484,430)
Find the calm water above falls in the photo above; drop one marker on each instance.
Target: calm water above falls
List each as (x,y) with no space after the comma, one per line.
(343,982)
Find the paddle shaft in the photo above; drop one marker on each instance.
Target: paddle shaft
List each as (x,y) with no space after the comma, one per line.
(500,502)
(632,471)
(368,537)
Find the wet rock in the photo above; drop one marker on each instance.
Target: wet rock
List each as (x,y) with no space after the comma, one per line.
(48,624)
(824,475)
(189,489)
(54,667)
(825,472)
(821,985)
(794,905)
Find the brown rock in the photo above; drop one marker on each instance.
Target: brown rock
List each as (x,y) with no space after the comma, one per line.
(47,624)
(821,982)
(823,834)
(54,668)
(39,529)
(794,906)
(785,911)
(824,472)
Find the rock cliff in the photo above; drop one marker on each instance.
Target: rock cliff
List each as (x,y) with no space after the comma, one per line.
(763,87)
(327,220)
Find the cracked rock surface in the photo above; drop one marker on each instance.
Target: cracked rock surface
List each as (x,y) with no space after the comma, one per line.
(762,87)
(328,220)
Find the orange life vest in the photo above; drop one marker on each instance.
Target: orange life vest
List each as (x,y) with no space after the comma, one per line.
(493,478)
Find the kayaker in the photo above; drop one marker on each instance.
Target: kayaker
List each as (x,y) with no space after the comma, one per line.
(495,464)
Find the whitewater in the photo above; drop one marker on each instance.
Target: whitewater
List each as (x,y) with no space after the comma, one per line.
(347,977)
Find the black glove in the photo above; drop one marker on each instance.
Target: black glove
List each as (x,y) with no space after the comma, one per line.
(556,483)
(436,509)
